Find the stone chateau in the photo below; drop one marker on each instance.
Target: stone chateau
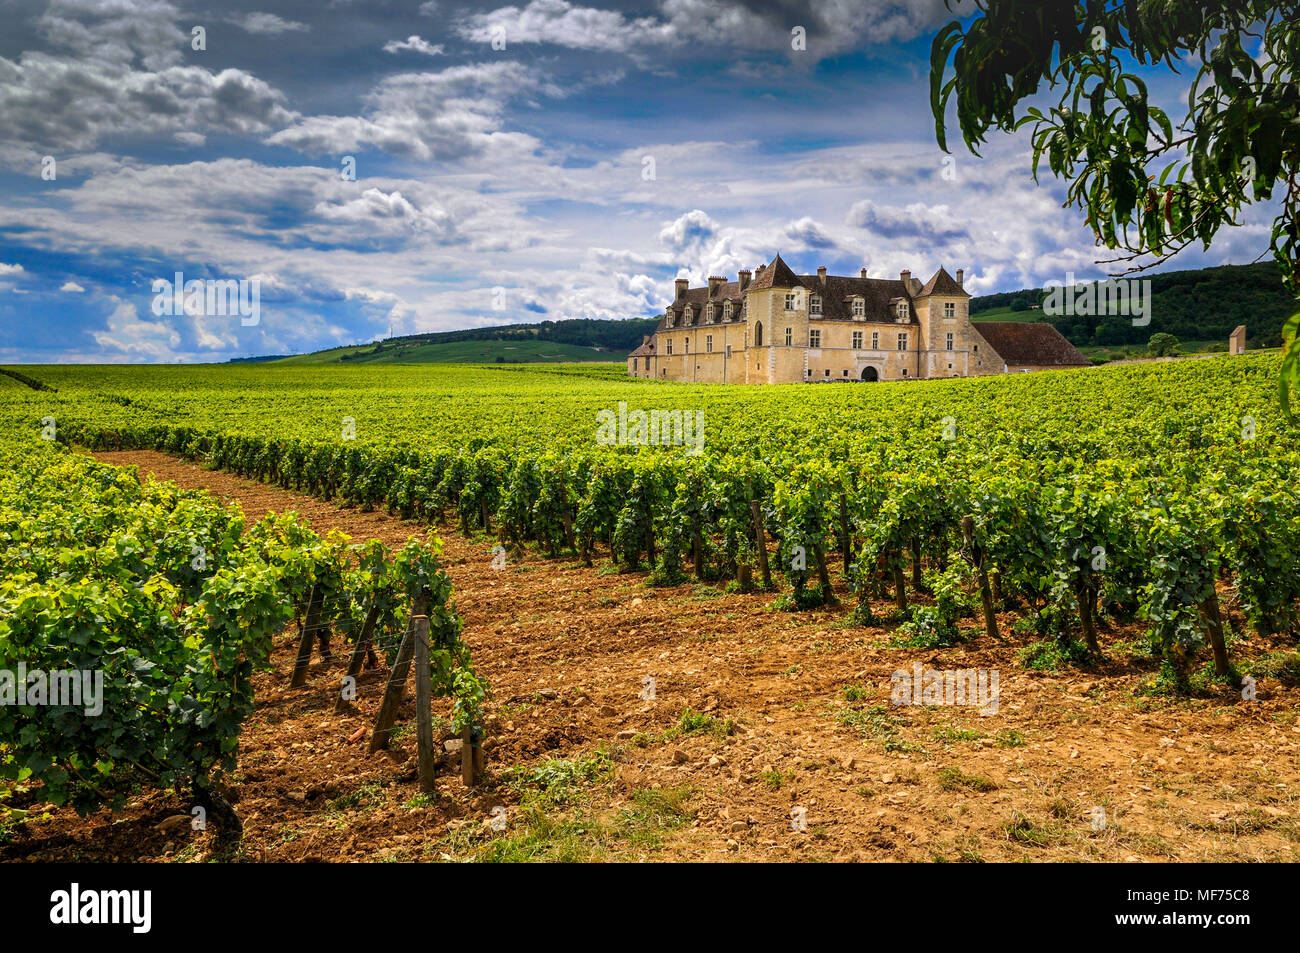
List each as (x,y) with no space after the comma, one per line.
(771,326)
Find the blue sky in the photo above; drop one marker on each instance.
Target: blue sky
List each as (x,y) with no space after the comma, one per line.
(605,150)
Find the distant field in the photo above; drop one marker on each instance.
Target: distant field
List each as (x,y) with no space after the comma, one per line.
(1006,314)
(459,352)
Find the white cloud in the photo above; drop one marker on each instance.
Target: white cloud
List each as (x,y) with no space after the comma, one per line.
(455,113)
(831,26)
(267,23)
(73,287)
(414,44)
(10,269)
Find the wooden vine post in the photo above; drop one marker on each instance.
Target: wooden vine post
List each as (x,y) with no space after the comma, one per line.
(396,687)
(315,602)
(423,702)
(415,649)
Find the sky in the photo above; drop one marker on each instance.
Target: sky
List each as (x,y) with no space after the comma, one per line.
(384,168)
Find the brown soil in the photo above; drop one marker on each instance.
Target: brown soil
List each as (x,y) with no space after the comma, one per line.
(566,649)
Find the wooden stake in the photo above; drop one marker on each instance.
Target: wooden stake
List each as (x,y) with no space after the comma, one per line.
(423,702)
(396,687)
(309,627)
(467,757)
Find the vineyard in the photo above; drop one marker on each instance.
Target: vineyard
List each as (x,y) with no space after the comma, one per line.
(1052,510)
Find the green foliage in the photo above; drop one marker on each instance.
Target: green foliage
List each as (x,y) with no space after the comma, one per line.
(1146,184)
(1163,345)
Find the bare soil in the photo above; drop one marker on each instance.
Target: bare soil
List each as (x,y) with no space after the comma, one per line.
(793,712)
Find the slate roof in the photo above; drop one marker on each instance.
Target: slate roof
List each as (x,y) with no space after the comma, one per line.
(1030,342)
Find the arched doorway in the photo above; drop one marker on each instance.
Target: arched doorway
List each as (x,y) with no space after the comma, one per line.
(870,374)
(758,334)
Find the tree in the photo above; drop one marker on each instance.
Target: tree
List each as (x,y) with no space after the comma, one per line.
(1146,187)
(1019,304)
(1164,345)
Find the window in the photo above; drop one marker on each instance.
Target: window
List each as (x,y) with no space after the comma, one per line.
(789,336)
(977,348)
(728,350)
(790,299)
(905,372)
(875,340)
(670,345)
(846,373)
(708,312)
(815,338)
(758,334)
(688,346)
(815,304)
(948,342)
(901,311)
(726,311)
(807,373)
(902,342)
(647,363)
(826,373)
(857,340)
(690,314)
(859,307)
(949,309)
(708,344)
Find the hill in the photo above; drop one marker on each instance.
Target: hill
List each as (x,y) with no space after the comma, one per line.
(1203,304)
(575,340)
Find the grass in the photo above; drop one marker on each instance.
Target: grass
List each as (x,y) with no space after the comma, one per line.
(876,722)
(953,779)
(1049,656)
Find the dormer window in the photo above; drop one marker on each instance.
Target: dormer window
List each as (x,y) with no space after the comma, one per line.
(859,307)
(815,304)
(902,311)
(726,311)
(708,313)
(690,314)
(671,318)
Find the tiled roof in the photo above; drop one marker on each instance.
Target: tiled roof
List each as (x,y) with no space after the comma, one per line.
(645,350)
(776,275)
(942,284)
(1032,343)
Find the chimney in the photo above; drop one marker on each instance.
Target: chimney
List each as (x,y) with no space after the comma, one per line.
(761,268)
(645,339)
(960,275)
(906,278)
(715,283)
(821,273)
(681,284)
(863,273)
(742,277)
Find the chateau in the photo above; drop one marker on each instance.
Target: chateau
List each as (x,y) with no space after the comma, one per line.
(771,326)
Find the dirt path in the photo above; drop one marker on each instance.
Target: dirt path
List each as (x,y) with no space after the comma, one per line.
(794,714)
